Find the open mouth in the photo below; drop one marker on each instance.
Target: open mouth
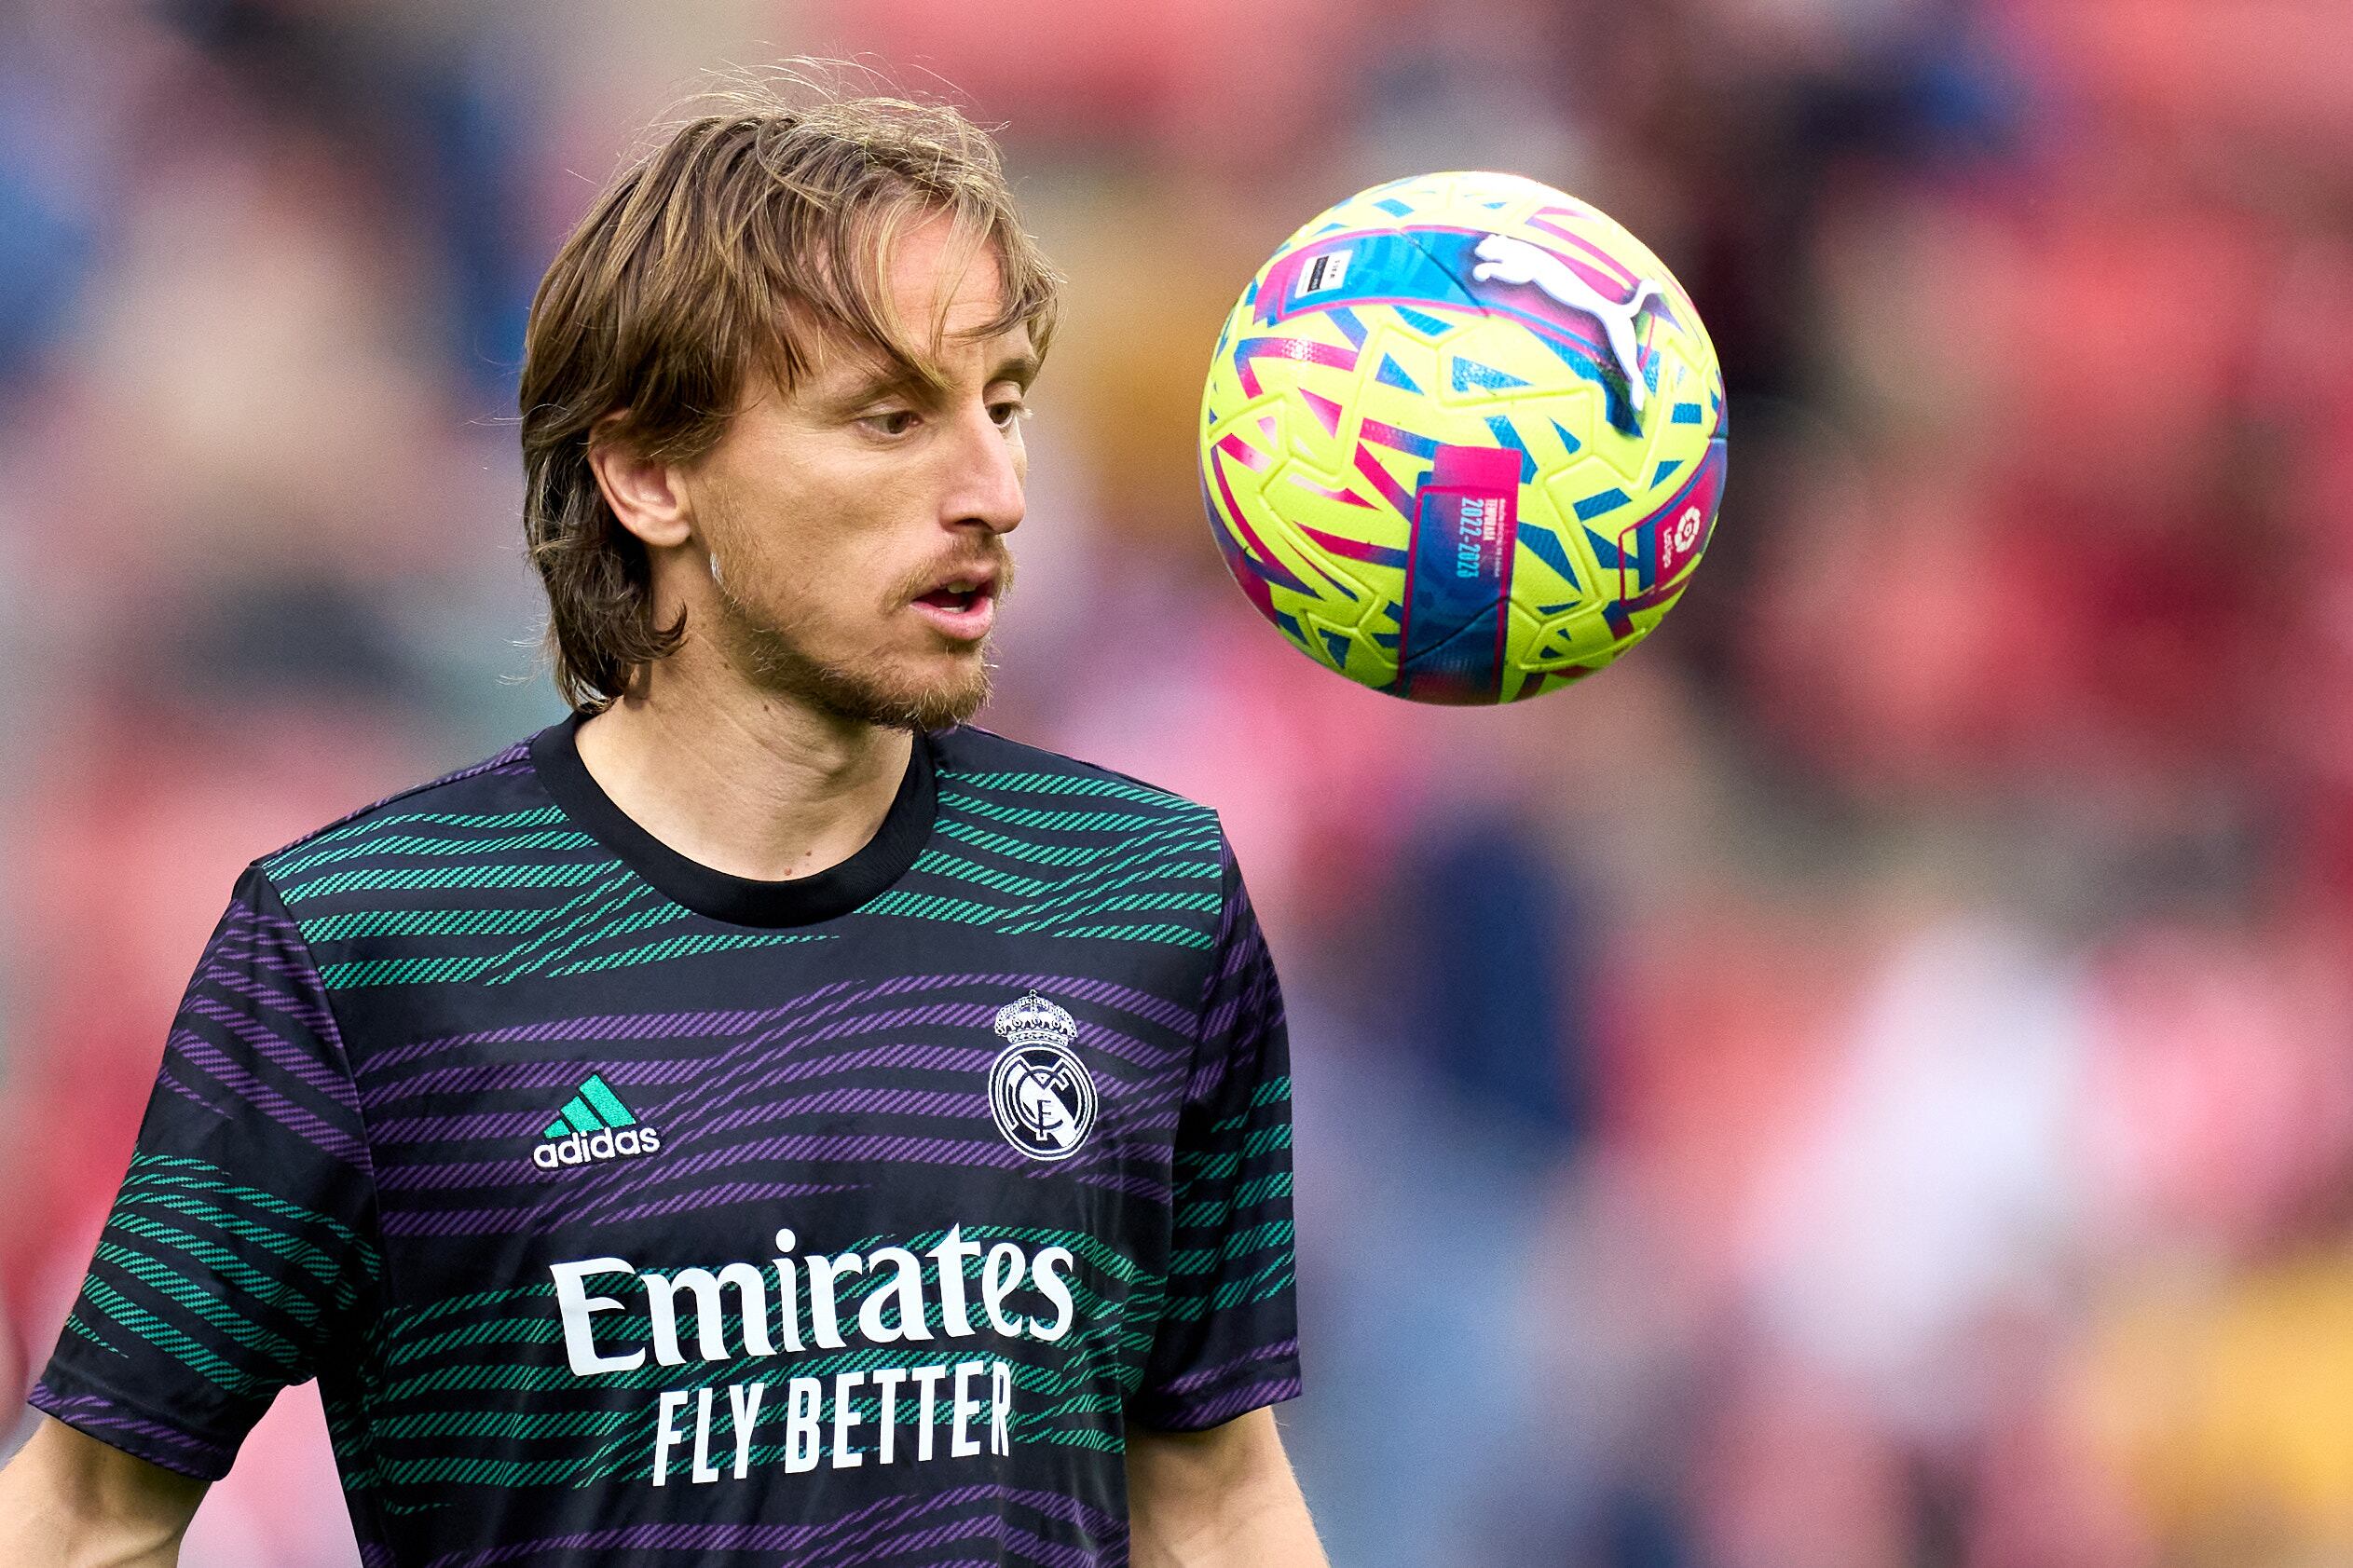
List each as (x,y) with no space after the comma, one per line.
(953,598)
(963,608)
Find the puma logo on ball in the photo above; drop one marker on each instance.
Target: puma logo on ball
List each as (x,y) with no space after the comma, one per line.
(1507,260)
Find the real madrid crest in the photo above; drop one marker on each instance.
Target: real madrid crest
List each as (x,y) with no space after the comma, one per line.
(1039,1091)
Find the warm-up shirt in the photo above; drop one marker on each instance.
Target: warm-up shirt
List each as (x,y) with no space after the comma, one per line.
(630,1212)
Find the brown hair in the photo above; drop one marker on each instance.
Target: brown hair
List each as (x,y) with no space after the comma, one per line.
(746,233)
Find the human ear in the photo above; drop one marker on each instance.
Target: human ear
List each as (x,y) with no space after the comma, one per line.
(645,493)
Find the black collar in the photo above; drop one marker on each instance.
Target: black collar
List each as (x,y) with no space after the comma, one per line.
(722,896)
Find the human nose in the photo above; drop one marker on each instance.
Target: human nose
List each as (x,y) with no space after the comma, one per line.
(991,468)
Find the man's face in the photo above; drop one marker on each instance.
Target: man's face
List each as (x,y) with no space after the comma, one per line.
(856,526)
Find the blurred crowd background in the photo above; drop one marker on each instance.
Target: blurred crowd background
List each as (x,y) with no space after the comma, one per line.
(1866,1083)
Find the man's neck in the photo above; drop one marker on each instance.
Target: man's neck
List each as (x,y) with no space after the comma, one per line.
(747,783)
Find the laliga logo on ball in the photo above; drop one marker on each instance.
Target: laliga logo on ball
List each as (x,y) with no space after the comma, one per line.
(1687,529)
(1507,260)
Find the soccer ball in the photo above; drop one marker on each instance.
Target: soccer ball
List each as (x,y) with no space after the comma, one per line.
(1463,439)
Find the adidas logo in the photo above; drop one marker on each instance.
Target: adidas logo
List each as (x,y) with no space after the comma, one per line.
(593,1125)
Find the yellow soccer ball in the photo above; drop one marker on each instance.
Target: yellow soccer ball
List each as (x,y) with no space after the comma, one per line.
(1463,439)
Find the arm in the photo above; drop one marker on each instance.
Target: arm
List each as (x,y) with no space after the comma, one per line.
(239,1254)
(1221,1498)
(70,1501)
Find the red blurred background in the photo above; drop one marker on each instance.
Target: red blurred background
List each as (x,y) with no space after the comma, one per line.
(1868,1080)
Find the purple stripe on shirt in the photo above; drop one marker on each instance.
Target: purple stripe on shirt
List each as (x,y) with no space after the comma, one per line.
(517,1123)
(1208,1375)
(551,1074)
(1221,1408)
(232,1075)
(276,1049)
(99,1416)
(604,1026)
(495,1222)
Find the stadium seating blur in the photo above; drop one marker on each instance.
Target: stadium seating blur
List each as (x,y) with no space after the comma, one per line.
(1866,1082)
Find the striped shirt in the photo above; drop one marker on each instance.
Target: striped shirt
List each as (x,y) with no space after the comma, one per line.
(624,1208)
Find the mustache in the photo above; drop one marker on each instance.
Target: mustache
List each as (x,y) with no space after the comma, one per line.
(994,560)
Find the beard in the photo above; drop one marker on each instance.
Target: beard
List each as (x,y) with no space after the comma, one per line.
(764,647)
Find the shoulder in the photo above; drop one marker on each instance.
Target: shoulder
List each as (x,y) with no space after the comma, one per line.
(1059,848)
(972,763)
(496,795)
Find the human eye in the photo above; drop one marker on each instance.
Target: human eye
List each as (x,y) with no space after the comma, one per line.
(1008,411)
(889,421)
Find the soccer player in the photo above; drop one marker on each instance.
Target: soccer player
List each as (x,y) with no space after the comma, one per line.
(760,1119)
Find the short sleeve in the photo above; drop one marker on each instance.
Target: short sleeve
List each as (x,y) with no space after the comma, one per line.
(1228,1335)
(241,1248)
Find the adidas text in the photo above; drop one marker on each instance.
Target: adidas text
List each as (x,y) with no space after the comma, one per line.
(574,1150)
